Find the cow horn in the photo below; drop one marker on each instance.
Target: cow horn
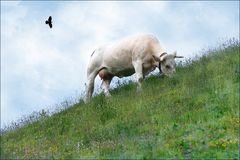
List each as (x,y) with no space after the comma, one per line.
(162,56)
(164,53)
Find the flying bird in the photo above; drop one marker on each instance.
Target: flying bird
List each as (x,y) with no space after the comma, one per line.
(49,21)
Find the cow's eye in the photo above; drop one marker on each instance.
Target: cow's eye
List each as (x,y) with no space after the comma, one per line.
(168,67)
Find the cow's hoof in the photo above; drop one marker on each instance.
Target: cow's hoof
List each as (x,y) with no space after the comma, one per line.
(86,100)
(108,95)
(139,89)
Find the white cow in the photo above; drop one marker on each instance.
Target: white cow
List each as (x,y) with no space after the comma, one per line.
(138,54)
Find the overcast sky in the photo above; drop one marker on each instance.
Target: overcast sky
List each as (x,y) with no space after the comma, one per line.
(41,67)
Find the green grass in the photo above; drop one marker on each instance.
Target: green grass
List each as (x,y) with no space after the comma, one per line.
(194,114)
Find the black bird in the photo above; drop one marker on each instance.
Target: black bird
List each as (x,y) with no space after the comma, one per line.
(49,21)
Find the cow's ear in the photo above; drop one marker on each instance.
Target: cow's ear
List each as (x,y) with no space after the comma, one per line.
(156,58)
(178,57)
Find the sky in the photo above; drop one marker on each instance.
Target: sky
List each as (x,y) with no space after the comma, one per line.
(42,67)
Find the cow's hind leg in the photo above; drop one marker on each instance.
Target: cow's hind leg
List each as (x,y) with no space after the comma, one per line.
(139,74)
(90,84)
(105,87)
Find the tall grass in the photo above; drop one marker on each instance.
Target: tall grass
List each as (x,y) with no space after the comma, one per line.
(194,114)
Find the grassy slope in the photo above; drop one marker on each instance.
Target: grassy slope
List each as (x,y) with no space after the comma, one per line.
(192,115)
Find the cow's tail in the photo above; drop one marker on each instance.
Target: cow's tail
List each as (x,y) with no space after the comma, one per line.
(93,52)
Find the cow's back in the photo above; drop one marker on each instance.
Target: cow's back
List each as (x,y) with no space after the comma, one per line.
(121,54)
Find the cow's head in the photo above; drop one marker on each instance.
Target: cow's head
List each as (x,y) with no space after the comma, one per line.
(167,63)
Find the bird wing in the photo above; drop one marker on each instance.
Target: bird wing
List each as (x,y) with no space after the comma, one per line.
(49,19)
(50,25)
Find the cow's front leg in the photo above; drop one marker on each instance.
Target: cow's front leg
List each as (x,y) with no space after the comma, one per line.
(105,86)
(139,74)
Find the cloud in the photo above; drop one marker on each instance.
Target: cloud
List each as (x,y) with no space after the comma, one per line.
(42,66)
(191,26)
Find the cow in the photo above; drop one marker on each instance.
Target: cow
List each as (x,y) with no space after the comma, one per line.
(138,54)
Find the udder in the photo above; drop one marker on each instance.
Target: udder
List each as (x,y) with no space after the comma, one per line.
(105,75)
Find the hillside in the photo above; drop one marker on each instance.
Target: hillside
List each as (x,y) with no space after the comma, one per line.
(194,114)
